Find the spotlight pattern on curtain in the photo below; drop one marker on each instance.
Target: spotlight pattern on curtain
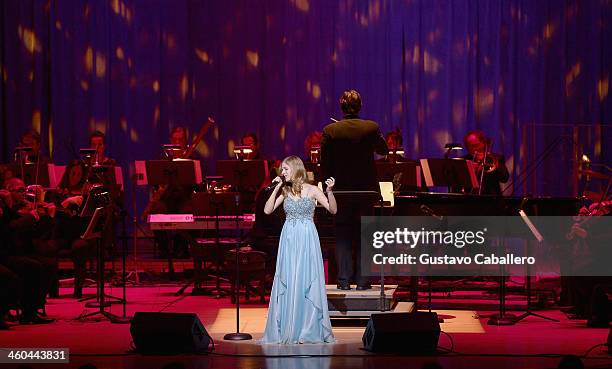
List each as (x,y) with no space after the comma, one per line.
(523,71)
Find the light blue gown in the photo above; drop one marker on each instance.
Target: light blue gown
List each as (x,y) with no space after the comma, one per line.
(298,304)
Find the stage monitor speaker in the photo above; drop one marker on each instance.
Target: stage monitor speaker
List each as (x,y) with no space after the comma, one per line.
(409,333)
(168,333)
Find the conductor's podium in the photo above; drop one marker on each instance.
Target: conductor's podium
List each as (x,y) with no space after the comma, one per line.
(355,304)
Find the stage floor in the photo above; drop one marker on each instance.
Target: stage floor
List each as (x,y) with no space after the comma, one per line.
(532,343)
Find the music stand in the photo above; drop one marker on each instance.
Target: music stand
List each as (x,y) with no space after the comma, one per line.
(243,174)
(502,318)
(173,172)
(94,231)
(315,169)
(539,238)
(449,173)
(409,172)
(177,172)
(28,173)
(215,205)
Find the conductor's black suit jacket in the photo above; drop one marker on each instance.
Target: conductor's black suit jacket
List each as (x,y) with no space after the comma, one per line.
(347,153)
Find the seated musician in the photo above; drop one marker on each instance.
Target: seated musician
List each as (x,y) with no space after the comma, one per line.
(172,199)
(10,283)
(249,194)
(178,137)
(20,276)
(251,140)
(73,180)
(589,250)
(494,165)
(97,140)
(394,142)
(32,139)
(69,226)
(10,292)
(106,177)
(312,141)
(25,226)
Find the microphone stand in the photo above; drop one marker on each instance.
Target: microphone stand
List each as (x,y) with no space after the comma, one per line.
(124,319)
(430,212)
(237,336)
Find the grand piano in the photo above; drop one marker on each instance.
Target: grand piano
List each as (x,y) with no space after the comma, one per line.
(482,205)
(451,204)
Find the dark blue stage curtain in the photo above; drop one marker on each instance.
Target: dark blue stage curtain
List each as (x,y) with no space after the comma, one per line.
(525,72)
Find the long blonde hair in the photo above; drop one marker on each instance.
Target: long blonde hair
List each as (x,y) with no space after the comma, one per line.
(298,175)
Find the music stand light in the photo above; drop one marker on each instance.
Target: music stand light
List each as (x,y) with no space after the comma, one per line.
(171,151)
(242,151)
(315,153)
(450,147)
(397,151)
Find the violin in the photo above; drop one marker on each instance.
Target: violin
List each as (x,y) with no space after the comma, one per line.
(38,209)
(596,209)
(489,162)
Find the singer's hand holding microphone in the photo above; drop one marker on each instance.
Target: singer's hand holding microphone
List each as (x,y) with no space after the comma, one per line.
(276,183)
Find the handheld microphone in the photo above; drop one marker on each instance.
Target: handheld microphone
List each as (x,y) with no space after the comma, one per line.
(275,182)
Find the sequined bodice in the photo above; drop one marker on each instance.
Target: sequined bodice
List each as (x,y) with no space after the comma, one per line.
(299,209)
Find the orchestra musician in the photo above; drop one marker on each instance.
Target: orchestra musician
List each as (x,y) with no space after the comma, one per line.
(97,140)
(32,139)
(178,136)
(101,171)
(10,291)
(69,227)
(347,154)
(312,141)
(28,152)
(250,139)
(494,165)
(589,242)
(394,142)
(26,225)
(172,199)
(10,283)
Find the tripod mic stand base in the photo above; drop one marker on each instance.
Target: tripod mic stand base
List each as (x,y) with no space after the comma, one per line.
(237,337)
(502,319)
(529,313)
(97,304)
